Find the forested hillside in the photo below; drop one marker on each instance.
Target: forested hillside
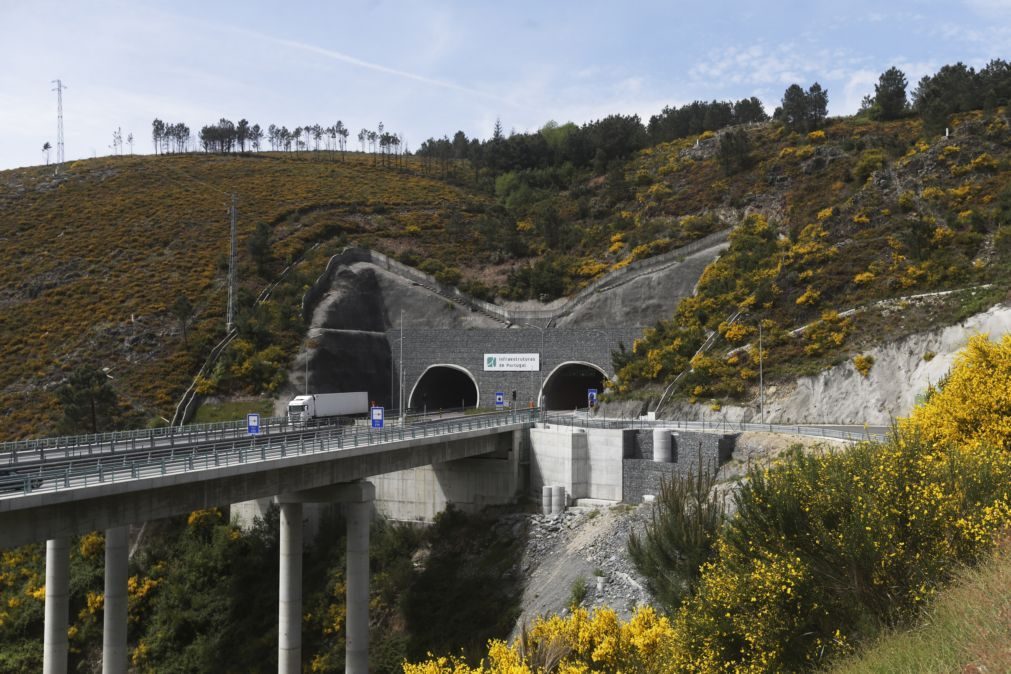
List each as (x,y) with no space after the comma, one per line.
(119,264)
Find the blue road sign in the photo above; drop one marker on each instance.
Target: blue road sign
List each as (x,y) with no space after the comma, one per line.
(499,398)
(377,417)
(253,424)
(591,396)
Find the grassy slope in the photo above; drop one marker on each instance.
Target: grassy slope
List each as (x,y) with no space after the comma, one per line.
(966,630)
(888,214)
(91,262)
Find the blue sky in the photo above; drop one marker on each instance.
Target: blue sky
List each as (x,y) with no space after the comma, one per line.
(430,68)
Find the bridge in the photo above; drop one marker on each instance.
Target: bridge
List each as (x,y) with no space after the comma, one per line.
(55,488)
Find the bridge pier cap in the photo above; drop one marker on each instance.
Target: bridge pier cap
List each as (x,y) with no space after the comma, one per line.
(347,492)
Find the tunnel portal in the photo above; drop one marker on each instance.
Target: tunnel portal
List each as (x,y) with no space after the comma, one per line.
(444,387)
(566,387)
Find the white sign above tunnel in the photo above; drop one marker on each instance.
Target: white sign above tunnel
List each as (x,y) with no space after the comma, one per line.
(512,362)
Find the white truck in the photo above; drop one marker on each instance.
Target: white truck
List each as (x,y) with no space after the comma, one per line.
(302,409)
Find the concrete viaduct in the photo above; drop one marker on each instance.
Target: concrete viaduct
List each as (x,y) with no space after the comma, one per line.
(53,489)
(92,484)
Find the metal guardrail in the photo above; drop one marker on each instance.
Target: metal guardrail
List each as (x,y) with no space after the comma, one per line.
(90,444)
(147,463)
(142,463)
(711,426)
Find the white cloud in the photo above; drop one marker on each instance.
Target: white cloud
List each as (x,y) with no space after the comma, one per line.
(361,63)
(858,84)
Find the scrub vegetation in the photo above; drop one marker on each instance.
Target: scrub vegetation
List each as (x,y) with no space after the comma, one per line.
(113,276)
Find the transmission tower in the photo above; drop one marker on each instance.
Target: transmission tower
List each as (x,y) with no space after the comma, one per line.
(59,123)
(230,320)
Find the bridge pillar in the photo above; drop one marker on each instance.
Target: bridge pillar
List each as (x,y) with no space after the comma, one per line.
(289,629)
(117,561)
(358,498)
(359,514)
(54,642)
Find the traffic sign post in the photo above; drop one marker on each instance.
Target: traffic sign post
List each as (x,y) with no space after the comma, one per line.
(591,397)
(253,424)
(377,416)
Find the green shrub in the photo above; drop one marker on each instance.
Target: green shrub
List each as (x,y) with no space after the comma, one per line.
(681,536)
(870,161)
(825,549)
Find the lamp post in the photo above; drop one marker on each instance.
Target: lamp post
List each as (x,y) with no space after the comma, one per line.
(540,358)
(403,408)
(761,375)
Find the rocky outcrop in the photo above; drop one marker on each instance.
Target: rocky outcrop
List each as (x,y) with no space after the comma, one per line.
(902,370)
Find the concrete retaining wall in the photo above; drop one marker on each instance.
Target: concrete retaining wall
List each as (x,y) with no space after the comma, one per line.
(587,462)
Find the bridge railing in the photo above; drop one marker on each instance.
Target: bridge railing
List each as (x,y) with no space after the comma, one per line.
(70,446)
(714,426)
(148,463)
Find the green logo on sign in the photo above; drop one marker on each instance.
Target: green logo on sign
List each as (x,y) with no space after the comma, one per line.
(492,362)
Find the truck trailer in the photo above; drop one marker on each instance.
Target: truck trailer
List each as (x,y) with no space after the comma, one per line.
(303,409)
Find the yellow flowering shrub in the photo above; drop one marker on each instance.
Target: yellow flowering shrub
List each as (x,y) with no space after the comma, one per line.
(810,296)
(581,643)
(826,547)
(91,545)
(972,407)
(863,277)
(863,364)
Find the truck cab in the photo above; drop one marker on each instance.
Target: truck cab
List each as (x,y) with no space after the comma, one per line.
(300,410)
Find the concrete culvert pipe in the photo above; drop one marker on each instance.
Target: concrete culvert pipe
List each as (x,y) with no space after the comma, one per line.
(557,499)
(662,445)
(546,500)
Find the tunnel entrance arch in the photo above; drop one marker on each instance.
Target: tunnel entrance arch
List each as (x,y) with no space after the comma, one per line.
(444,386)
(565,387)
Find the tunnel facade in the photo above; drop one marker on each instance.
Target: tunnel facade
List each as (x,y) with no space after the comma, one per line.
(444,386)
(563,361)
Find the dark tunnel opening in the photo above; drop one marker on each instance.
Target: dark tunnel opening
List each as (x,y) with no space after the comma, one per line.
(567,386)
(443,387)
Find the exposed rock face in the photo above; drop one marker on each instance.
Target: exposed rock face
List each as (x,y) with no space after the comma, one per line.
(643,300)
(350,360)
(354,302)
(841,395)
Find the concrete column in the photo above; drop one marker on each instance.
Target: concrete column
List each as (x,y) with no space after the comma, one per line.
(289,628)
(54,642)
(117,560)
(359,513)
(662,445)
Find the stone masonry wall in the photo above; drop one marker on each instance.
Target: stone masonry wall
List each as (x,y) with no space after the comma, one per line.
(641,475)
(466,349)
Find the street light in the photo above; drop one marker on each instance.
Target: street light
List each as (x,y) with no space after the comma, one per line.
(540,357)
(761,375)
(402,406)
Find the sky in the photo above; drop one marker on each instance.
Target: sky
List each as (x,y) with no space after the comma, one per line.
(431,68)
